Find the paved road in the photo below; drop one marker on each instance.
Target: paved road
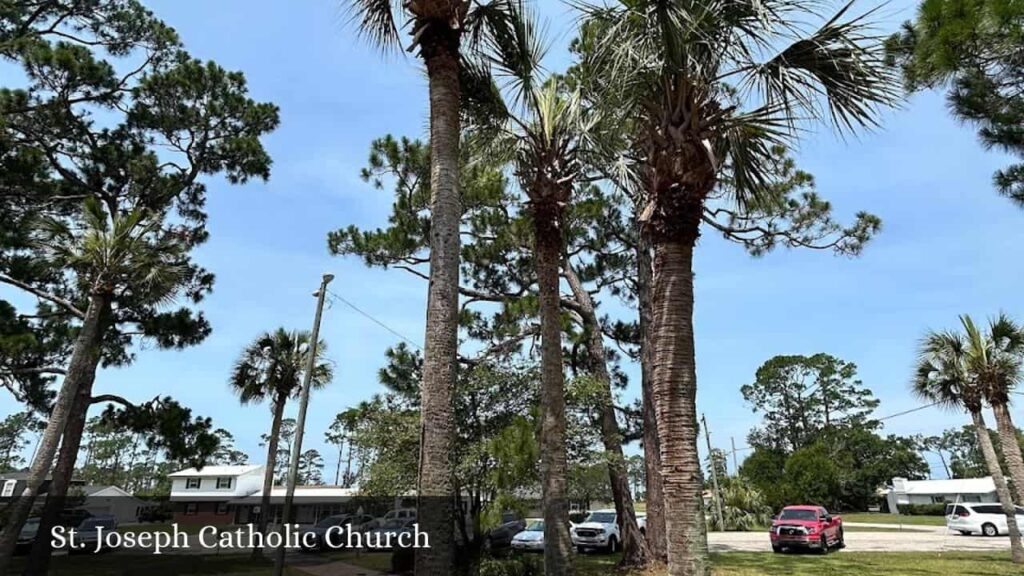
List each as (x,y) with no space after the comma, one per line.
(919,540)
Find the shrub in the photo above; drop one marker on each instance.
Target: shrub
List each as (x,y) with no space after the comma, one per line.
(923,509)
(514,566)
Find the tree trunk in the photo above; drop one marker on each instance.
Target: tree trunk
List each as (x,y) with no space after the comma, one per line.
(82,365)
(1011,449)
(675,391)
(553,464)
(634,548)
(652,456)
(1002,490)
(440,357)
(337,469)
(268,474)
(56,496)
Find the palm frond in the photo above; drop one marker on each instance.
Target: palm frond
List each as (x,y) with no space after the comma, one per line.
(840,68)
(377,21)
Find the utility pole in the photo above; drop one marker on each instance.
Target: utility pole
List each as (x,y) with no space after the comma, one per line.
(735,467)
(714,474)
(300,424)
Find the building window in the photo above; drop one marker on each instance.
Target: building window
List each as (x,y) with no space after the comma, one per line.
(191,508)
(224,482)
(192,483)
(222,508)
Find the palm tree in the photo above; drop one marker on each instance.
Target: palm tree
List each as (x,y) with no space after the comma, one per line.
(271,367)
(996,358)
(544,129)
(108,254)
(700,100)
(946,375)
(438,28)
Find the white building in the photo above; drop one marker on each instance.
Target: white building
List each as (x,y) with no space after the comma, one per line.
(201,496)
(311,503)
(904,492)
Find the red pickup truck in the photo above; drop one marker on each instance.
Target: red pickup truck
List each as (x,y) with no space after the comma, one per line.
(806,527)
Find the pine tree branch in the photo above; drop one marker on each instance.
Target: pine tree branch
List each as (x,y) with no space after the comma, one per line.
(67,305)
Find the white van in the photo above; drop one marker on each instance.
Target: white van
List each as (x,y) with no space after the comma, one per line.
(986,519)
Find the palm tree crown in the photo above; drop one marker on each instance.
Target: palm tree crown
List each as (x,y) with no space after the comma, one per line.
(272,366)
(720,83)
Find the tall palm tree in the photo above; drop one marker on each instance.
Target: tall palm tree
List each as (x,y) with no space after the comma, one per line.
(996,357)
(271,367)
(107,253)
(546,132)
(708,89)
(438,28)
(946,374)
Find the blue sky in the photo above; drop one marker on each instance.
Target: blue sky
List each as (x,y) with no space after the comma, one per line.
(947,246)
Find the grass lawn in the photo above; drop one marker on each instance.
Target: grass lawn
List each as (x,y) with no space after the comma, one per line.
(150,565)
(894,519)
(865,564)
(379,561)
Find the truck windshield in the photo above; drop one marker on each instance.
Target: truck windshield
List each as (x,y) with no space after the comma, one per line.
(798,515)
(602,517)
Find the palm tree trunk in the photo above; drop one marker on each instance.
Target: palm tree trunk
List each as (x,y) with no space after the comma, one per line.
(437,432)
(1011,449)
(634,548)
(268,474)
(56,496)
(1002,490)
(675,391)
(83,360)
(553,464)
(652,456)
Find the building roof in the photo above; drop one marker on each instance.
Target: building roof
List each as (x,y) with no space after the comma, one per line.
(953,486)
(302,493)
(94,490)
(208,471)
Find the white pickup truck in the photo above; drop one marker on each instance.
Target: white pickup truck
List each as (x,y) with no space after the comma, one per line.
(600,531)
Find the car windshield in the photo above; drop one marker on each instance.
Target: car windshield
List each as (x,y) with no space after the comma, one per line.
(330,521)
(602,517)
(798,515)
(535,526)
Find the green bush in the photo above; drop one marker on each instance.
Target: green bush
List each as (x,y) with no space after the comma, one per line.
(514,566)
(923,509)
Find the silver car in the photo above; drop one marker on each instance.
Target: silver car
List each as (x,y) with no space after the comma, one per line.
(986,519)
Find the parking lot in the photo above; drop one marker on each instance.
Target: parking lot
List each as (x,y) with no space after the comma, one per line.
(919,539)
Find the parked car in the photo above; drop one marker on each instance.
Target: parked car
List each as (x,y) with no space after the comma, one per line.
(340,523)
(87,533)
(599,531)
(399,514)
(500,537)
(578,516)
(806,527)
(531,538)
(70,518)
(985,519)
(27,536)
(378,537)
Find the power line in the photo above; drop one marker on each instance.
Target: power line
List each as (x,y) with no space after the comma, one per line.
(905,412)
(335,296)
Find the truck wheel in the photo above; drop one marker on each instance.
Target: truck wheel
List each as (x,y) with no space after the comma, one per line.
(613,545)
(776,549)
(824,545)
(989,530)
(842,540)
